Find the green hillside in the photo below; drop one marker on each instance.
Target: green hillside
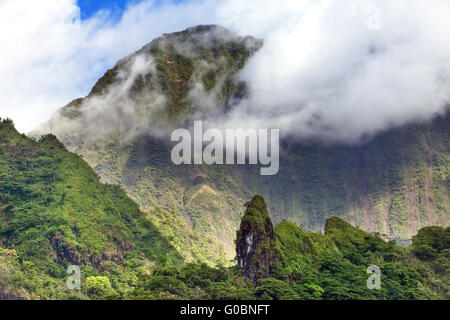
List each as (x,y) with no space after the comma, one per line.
(54,212)
(307,265)
(395,183)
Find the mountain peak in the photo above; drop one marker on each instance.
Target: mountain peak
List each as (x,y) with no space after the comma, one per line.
(174,77)
(255,243)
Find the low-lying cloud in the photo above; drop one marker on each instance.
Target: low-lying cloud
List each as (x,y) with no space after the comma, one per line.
(337,71)
(345,70)
(49,56)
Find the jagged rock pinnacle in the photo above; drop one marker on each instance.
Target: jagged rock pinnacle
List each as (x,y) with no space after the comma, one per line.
(255,243)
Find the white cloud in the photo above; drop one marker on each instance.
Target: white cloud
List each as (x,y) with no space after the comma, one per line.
(343,70)
(49,56)
(337,70)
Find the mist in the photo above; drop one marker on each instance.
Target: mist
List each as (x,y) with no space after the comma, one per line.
(333,71)
(343,71)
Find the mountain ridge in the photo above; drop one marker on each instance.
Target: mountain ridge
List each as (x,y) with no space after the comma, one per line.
(394,184)
(54,212)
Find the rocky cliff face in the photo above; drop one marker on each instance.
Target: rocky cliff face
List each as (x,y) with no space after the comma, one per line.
(255,241)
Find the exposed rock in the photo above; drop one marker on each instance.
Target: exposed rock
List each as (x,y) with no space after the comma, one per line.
(6,295)
(255,242)
(64,251)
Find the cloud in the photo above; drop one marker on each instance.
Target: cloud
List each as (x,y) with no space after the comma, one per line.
(343,71)
(115,112)
(339,71)
(135,103)
(50,56)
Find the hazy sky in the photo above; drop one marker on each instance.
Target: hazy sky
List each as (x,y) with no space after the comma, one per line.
(339,70)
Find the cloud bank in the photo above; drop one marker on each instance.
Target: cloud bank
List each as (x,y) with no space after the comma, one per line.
(49,56)
(339,71)
(344,70)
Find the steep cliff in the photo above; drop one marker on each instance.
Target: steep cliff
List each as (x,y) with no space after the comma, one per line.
(255,241)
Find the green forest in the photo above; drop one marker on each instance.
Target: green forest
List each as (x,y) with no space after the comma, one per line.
(55,212)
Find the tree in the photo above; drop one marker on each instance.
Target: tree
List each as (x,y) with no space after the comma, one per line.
(98,286)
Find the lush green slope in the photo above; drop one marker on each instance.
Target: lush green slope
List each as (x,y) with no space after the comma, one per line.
(395,184)
(54,212)
(311,265)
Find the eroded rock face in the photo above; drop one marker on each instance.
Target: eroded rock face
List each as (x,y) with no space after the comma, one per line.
(64,251)
(4,295)
(255,242)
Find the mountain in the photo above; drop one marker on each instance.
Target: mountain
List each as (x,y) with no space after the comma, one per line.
(109,129)
(394,184)
(54,212)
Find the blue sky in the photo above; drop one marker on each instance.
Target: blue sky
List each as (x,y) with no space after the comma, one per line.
(90,7)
